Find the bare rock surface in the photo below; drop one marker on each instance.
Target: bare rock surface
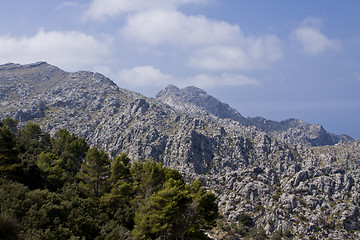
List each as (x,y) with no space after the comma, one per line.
(286,175)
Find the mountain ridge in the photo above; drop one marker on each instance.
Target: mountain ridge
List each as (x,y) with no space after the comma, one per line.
(193,101)
(299,186)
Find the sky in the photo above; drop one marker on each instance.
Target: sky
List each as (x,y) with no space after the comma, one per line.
(276,59)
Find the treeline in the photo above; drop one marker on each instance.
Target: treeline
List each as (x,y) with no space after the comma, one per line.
(60,188)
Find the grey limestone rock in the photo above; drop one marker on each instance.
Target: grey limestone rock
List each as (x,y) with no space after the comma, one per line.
(285,175)
(195,101)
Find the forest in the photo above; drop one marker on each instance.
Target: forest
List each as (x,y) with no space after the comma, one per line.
(59,187)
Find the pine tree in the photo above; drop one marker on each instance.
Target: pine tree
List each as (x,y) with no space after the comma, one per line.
(9,161)
(95,172)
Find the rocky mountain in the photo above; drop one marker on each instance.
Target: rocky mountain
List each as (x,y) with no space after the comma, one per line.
(196,102)
(310,189)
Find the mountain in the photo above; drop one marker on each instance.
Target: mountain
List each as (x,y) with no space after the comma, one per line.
(195,102)
(289,176)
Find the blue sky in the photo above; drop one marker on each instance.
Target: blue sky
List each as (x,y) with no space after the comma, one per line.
(277,59)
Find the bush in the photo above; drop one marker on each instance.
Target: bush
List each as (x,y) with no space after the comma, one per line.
(245,220)
(288,233)
(259,208)
(276,197)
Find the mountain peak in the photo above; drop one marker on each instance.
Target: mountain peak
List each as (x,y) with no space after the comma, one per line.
(17,65)
(194,90)
(197,102)
(188,91)
(9,66)
(169,89)
(37,64)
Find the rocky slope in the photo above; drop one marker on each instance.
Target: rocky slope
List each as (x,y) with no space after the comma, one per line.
(310,189)
(197,102)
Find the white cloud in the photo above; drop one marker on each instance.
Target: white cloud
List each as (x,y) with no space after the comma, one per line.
(163,26)
(219,45)
(100,9)
(221,58)
(143,76)
(208,81)
(312,39)
(70,50)
(150,76)
(206,43)
(313,22)
(252,54)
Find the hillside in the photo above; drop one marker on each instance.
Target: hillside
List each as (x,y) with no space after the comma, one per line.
(60,188)
(197,102)
(287,176)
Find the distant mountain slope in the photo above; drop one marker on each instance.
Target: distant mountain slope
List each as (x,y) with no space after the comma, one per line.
(250,163)
(92,106)
(296,130)
(195,101)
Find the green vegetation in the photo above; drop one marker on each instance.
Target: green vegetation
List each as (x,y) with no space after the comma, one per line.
(244,228)
(60,188)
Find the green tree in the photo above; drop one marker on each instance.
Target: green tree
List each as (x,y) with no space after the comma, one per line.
(148,178)
(167,208)
(70,148)
(95,172)
(9,228)
(9,161)
(161,217)
(31,141)
(117,201)
(86,218)
(107,200)
(202,213)
(11,196)
(71,151)
(54,173)
(11,123)
(120,169)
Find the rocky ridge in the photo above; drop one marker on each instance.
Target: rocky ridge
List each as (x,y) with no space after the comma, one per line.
(310,188)
(196,102)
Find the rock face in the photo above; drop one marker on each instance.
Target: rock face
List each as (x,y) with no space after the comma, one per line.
(252,164)
(195,102)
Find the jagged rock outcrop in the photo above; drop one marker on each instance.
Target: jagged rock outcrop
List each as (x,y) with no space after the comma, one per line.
(195,102)
(310,188)
(294,131)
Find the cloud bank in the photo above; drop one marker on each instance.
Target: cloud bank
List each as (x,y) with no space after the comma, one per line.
(251,54)
(161,26)
(211,44)
(312,40)
(208,43)
(98,10)
(71,50)
(151,76)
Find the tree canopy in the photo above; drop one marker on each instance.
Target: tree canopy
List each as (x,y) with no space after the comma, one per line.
(60,188)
